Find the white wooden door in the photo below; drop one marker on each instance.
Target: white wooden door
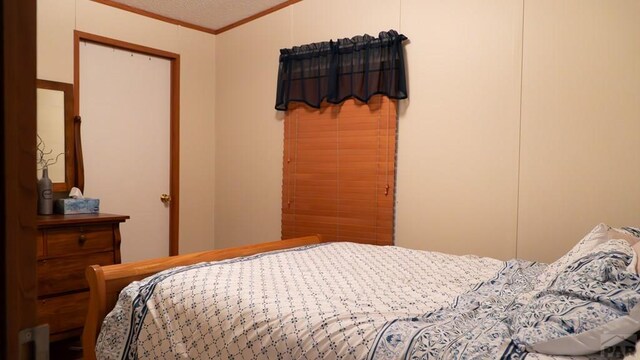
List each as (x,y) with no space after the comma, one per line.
(125,110)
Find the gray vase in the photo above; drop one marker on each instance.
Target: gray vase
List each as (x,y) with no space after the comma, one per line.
(45,194)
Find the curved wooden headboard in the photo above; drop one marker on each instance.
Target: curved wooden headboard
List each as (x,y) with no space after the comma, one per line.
(106,282)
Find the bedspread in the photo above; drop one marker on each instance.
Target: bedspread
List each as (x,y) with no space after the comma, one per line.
(354,301)
(324,301)
(514,312)
(476,325)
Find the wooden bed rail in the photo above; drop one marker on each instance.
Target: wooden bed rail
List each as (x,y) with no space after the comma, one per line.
(105,282)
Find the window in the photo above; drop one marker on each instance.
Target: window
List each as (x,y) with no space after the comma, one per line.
(339,171)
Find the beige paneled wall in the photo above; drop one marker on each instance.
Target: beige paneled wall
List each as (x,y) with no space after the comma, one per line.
(580,161)
(249,133)
(55,25)
(520,134)
(314,20)
(458,137)
(197,141)
(458,141)
(471,177)
(57,20)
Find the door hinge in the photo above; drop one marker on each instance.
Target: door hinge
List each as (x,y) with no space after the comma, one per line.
(39,337)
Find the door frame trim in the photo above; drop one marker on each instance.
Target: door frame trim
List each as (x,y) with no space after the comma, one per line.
(174,121)
(18,186)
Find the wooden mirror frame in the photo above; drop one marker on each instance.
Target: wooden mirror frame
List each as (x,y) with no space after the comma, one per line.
(74,167)
(78,160)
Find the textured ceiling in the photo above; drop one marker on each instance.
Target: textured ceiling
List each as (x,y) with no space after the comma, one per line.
(211,14)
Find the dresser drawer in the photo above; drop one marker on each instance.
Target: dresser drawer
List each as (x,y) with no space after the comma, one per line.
(65,312)
(78,239)
(39,245)
(67,273)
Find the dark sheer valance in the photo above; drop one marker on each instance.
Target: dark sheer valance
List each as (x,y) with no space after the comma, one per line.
(359,67)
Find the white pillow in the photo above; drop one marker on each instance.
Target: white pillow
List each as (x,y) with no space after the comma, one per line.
(589,304)
(594,340)
(595,237)
(633,241)
(624,235)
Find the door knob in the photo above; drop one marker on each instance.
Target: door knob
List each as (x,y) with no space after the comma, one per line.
(165,198)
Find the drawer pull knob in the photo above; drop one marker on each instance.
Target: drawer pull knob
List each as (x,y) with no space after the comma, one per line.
(82,239)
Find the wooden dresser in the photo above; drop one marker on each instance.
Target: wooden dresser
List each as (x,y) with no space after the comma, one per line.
(67,244)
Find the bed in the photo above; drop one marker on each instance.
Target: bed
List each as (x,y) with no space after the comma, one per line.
(306,299)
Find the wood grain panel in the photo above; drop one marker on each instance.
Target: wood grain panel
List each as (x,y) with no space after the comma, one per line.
(68,243)
(64,313)
(18,185)
(57,220)
(81,239)
(39,245)
(67,274)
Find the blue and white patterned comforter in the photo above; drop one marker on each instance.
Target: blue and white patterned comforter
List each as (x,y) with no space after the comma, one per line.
(318,302)
(527,306)
(327,301)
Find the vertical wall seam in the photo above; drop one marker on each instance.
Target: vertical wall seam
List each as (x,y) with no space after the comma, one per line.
(400,16)
(520,131)
(290,25)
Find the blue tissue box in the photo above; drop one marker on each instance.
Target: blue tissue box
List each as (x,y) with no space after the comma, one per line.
(77,206)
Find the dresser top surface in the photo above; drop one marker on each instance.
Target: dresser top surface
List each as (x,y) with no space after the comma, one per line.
(70,219)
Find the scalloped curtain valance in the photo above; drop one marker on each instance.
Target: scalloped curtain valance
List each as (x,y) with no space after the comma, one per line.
(334,71)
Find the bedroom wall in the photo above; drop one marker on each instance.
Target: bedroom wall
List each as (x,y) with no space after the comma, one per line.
(57,20)
(503,150)
(457,155)
(580,154)
(249,136)
(458,141)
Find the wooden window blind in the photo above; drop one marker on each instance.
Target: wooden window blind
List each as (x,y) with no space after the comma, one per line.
(339,171)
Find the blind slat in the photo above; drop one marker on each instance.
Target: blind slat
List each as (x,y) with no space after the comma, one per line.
(375,213)
(352,204)
(339,171)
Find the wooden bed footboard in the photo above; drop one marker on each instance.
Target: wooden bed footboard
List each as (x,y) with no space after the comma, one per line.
(105,282)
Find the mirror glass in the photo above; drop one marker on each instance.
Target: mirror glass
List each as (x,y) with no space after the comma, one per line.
(56,148)
(51,133)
